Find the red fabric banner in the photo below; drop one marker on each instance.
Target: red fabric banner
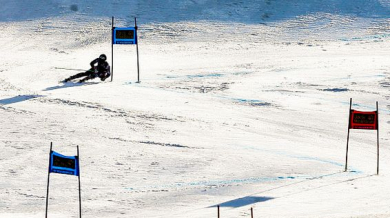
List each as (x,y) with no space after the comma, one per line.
(363,120)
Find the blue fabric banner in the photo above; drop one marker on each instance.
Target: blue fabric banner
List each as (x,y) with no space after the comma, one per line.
(64,164)
(124,35)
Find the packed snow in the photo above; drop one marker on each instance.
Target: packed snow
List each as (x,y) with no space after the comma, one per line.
(242,104)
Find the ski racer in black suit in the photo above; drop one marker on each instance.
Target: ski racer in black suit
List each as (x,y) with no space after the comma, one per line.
(101,70)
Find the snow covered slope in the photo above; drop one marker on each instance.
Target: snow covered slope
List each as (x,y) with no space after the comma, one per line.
(241,104)
(192,10)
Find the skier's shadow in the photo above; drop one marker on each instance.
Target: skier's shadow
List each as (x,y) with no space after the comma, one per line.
(69,85)
(18,99)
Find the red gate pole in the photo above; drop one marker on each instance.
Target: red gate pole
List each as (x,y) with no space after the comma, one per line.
(377,138)
(349,126)
(251,212)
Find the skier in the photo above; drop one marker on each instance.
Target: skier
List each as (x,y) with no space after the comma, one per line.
(101,70)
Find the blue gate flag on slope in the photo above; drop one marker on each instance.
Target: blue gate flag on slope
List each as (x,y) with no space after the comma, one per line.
(124,35)
(64,164)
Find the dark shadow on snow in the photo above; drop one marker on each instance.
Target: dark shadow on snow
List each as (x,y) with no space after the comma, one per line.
(240,202)
(336,90)
(18,99)
(69,85)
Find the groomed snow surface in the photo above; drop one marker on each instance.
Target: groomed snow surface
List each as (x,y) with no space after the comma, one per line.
(242,104)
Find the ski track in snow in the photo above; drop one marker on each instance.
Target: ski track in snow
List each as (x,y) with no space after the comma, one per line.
(213,184)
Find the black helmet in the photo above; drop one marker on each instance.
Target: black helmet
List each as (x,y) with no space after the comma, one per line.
(103,57)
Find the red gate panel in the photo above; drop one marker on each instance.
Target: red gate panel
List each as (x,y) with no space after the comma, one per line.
(363,120)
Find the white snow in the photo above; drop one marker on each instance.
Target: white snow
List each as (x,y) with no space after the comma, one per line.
(242,104)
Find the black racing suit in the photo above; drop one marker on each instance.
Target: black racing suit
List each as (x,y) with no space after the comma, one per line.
(101,70)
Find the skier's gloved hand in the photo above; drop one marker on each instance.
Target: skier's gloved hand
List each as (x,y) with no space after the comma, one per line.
(103,76)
